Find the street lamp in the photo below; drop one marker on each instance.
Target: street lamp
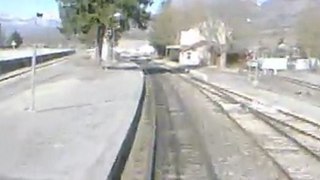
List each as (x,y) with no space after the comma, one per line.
(254,63)
(256,74)
(117,17)
(33,68)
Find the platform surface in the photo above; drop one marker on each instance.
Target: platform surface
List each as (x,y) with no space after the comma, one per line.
(82,116)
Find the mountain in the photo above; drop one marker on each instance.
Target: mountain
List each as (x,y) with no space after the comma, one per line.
(277,18)
(46,22)
(283,13)
(32,30)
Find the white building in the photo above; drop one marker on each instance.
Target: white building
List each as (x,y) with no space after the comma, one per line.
(190,55)
(200,45)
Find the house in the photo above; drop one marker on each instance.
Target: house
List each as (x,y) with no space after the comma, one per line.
(202,45)
(200,53)
(192,52)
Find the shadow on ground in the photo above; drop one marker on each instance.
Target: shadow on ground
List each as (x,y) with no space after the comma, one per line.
(159,68)
(123,68)
(75,106)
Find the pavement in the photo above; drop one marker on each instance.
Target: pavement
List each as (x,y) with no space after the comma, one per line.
(83,114)
(243,86)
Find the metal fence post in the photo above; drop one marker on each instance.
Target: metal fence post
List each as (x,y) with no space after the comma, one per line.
(33,74)
(113,44)
(33,69)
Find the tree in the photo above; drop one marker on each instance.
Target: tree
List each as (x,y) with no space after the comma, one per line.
(167,25)
(206,15)
(80,16)
(15,37)
(2,36)
(215,19)
(237,17)
(307,30)
(163,30)
(229,24)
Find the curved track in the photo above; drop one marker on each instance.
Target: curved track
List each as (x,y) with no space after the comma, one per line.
(286,138)
(298,82)
(179,151)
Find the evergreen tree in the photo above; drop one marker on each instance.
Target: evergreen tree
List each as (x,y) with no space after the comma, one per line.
(16,38)
(2,37)
(80,16)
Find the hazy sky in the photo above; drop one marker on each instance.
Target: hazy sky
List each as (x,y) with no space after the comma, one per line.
(28,8)
(259,2)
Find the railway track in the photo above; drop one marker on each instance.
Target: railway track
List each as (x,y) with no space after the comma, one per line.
(177,147)
(180,152)
(301,83)
(291,142)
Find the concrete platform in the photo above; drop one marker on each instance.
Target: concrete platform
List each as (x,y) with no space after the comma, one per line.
(83,116)
(11,60)
(6,55)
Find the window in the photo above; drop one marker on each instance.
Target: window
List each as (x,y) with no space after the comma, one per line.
(188,55)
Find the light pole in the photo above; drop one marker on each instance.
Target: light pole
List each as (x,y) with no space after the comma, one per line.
(1,38)
(111,35)
(256,74)
(222,39)
(33,69)
(117,16)
(255,62)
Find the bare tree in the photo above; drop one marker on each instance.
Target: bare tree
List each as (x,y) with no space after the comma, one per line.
(236,15)
(308,31)
(163,28)
(228,22)
(172,19)
(215,19)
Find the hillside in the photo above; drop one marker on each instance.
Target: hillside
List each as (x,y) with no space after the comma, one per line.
(277,18)
(44,30)
(283,13)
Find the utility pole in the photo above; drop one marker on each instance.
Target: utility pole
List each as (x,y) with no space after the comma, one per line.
(117,17)
(222,39)
(109,43)
(112,45)
(256,74)
(33,70)
(1,38)
(112,35)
